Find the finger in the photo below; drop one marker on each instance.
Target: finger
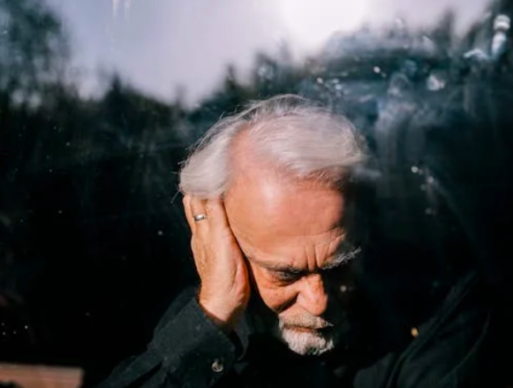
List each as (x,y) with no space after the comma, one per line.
(198,206)
(197,253)
(217,216)
(188,214)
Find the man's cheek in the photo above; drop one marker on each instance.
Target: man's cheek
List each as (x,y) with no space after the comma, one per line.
(277,298)
(262,284)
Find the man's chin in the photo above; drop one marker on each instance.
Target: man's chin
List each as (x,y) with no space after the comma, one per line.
(305,341)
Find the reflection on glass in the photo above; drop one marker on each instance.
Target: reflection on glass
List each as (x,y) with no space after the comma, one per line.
(100,101)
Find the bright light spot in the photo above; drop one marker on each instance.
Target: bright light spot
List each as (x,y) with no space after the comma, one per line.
(311,22)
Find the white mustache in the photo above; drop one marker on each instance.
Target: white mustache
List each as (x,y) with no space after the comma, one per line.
(305,322)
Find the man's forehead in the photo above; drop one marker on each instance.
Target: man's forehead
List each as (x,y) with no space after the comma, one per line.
(300,254)
(267,206)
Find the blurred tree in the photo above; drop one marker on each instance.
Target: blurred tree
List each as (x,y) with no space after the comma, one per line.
(33,50)
(231,96)
(443,33)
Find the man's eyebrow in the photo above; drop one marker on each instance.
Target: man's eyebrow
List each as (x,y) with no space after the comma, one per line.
(277,267)
(342,258)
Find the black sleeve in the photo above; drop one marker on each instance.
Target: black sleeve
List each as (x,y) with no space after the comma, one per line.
(452,350)
(187,350)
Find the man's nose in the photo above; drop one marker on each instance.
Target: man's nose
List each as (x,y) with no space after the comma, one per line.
(312,295)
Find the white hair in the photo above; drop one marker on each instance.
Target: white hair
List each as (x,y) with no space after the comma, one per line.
(292,133)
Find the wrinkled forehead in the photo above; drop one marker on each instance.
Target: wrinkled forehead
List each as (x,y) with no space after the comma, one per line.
(285,223)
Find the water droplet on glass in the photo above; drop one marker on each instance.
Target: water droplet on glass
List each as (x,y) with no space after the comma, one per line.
(501,26)
(435,83)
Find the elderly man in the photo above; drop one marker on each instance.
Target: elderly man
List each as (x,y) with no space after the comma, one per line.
(267,195)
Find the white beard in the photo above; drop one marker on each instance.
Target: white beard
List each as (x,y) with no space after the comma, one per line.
(304,343)
(312,343)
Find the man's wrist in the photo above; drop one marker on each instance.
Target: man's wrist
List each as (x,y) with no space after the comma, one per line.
(223,317)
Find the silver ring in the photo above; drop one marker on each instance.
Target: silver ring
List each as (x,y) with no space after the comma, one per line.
(199,217)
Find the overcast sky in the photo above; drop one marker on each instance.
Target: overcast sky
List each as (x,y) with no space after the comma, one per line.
(160,45)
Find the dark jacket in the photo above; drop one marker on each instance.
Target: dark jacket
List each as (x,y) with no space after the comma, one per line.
(451,350)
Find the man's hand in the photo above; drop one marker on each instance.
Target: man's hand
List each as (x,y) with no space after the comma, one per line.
(225,288)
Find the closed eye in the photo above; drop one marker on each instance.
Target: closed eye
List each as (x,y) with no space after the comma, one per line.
(287,276)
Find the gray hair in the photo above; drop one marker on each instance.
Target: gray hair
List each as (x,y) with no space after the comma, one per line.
(292,133)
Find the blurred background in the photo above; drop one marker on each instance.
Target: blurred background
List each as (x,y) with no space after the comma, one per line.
(100,100)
